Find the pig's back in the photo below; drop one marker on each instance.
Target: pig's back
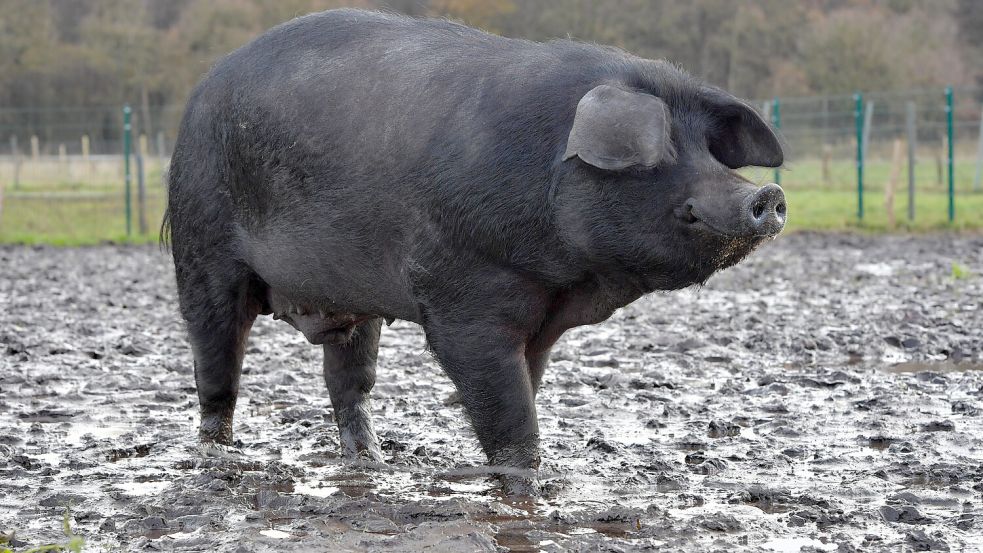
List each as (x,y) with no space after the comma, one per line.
(357,99)
(359,135)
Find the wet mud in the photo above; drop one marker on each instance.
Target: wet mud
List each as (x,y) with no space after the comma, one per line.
(825,395)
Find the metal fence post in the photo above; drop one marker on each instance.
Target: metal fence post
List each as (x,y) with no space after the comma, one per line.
(978,181)
(868,124)
(949,133)
(912,145)
(858,117)
(776,119)
(127,128)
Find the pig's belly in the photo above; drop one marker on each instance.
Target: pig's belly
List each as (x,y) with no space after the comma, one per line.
(326,291)
(318,323)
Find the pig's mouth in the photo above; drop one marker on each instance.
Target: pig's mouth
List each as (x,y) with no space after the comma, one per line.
(721,244)
(703,225)
(690,215)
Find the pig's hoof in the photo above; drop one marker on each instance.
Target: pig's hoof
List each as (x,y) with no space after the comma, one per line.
(358,440)
(519,487)
(361,451)
(370,456)
(518,483)
(219,451)
(366,454)
(215,429)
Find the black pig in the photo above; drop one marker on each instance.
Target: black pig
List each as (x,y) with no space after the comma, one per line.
(350,167)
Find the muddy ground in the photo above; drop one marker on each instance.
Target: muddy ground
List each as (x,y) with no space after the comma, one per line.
(826,395)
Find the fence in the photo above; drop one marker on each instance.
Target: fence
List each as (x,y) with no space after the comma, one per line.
(63,172)
(923,148)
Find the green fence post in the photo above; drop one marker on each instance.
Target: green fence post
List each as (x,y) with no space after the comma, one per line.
(127,131)
(858,116)
(951,162)
(776,119)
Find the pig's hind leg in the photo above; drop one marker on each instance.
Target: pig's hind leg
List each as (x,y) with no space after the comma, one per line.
(220,302)
(349,372)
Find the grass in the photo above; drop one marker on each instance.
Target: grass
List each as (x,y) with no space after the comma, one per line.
(836,210)
(69,221)
(84,206)
(73,543)
(960,272)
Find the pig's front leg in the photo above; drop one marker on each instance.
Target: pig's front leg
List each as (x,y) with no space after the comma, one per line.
(485,359)
(349,372)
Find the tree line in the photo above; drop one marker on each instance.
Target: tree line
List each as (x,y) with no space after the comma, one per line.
(77,53)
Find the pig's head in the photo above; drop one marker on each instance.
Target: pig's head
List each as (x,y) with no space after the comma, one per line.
(649,186)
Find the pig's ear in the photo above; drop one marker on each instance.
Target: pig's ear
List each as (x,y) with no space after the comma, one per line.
(739,137)
(614,129)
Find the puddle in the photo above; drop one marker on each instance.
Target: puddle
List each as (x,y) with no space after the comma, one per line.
(89,431)
(947,366)
(142,488)
(276,534)
(794,545)
(315,490)
(875,269)
(518,539)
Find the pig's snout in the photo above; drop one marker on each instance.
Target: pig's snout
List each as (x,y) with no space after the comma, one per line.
(766,211)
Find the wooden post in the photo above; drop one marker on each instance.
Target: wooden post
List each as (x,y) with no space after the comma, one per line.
(35,148)
(15,150)
(892,183)
(144,152)
(62,160)
(827,157)
(161,153)
(825,120)
(776,121)
(86,159)
(141,195)
(939,164)
(978,181)
(912,147)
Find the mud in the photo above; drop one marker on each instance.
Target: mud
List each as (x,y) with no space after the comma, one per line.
(826,395)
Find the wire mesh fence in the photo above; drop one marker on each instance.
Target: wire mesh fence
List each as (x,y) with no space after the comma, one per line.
(821,135)
(901,172)
(62,169)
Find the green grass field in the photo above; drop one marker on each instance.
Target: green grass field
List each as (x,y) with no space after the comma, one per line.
(73,221)
(56,211)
